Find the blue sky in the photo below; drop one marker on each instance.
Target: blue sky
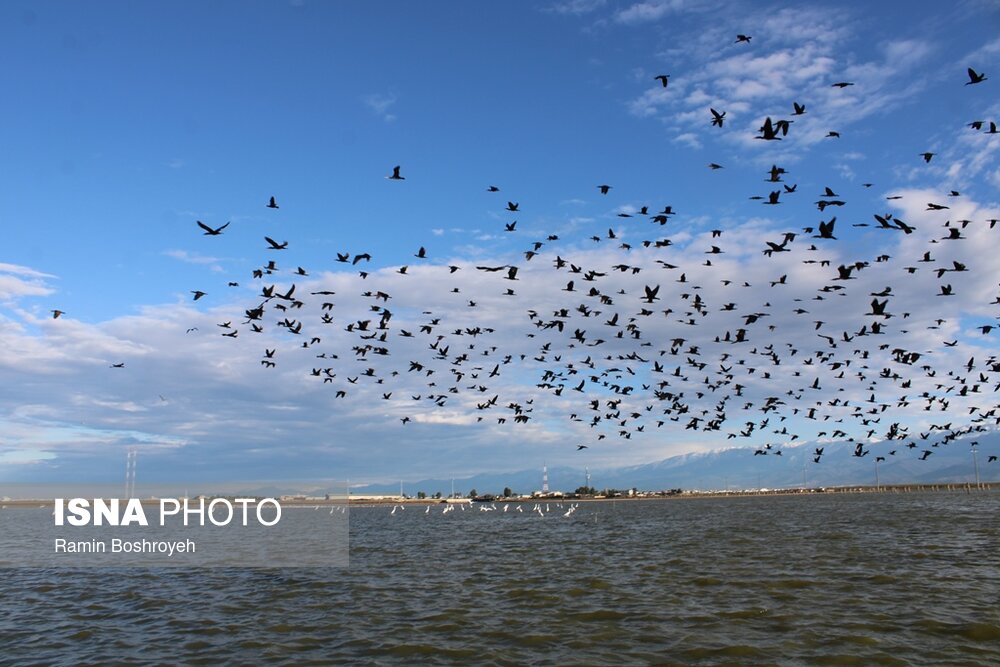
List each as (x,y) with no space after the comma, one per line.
(124,124)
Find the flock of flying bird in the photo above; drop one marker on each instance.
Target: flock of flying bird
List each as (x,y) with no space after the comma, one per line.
(667,337)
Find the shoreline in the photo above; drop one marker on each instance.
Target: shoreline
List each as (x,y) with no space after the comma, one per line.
(362,501)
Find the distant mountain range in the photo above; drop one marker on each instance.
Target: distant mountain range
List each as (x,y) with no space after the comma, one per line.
(739,468)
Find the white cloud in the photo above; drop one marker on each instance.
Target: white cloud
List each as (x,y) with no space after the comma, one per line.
(195,258)
(20,281)
(689,139)
(576,7)
(795,56)
(650,11)
(380,104)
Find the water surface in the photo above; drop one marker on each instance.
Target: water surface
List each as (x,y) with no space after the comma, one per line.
(775,580)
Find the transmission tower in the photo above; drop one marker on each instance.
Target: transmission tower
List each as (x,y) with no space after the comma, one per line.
(130,457)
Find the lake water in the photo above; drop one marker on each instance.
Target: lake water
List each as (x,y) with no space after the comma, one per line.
(892,579)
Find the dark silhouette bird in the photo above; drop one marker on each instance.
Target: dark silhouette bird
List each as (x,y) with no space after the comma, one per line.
(768,131)
(272,203)
(197,294)
(662,78)
(210,231)
(742,38)
(395,175)
(274,245)
(717,118)
(826,229)
(57,313)
(604,189)
(974,77)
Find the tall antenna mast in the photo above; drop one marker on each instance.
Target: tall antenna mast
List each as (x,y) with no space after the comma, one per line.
(130,457)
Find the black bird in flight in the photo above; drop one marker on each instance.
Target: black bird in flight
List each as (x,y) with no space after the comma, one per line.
(742,38)
(57,313)
(579,447)
(274,244)
(395,175)
(662,78)
(841,84)
(717,118)
(826,229)
(209,231)
(604,189)
(975,77)
(769,132)
(272,203)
